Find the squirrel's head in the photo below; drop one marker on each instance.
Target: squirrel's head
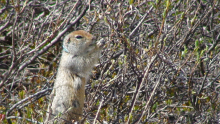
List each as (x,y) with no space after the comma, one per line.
(81,42)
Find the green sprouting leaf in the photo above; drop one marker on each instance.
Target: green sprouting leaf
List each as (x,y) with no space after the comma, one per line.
(193,92)
(193,20)
(184,52)
(168,3)
(21,94)
(152,4)
(131,2)
(183,15)
(202,52)
(29,112)
(169,102)
(136,107)
(164,14)
(125,59)
(155,106)
(201,40)
(196,44)
(206,59)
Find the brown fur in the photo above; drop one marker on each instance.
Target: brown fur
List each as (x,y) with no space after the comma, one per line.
(77,60)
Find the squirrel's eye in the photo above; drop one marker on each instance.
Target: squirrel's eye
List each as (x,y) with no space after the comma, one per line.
(78,37)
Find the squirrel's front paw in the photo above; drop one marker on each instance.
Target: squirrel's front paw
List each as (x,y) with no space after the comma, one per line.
(101,43)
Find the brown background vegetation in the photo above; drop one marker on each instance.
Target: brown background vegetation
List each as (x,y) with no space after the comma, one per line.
(161,62)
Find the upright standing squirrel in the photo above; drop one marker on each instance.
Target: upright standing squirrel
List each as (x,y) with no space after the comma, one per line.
(80,54)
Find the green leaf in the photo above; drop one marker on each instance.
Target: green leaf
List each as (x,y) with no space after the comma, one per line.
(196,43)
(131,2)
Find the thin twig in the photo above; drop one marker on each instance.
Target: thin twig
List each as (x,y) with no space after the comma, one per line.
(97,113)
(43,50)
(139,24)
(53,41)
(140,86)
(151,96)
(26,99)
(22,118)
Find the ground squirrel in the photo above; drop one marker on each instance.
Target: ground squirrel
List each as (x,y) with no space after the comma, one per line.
(80,54)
